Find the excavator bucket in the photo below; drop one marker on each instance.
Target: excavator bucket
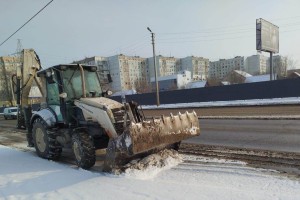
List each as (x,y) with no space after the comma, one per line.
(140,139)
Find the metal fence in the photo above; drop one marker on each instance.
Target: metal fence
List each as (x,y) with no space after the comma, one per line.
(260,90)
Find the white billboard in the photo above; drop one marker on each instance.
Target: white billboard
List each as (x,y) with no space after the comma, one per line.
(267,36)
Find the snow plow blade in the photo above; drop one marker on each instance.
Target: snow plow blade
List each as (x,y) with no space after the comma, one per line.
(143,138)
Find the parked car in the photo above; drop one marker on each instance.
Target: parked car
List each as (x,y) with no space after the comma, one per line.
(10,113)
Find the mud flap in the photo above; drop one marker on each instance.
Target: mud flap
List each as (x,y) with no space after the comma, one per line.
(143,137)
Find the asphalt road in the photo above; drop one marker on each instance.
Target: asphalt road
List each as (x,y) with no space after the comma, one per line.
(274,135)
(10,123)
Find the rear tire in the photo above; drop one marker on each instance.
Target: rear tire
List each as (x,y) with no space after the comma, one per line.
(44,141)
(5,117)
(84,150)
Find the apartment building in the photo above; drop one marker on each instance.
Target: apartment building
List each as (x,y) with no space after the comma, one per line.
(101,63)
(257,64)
(260,64)
(165,66)
(127,72)
(221,68)
(198,66)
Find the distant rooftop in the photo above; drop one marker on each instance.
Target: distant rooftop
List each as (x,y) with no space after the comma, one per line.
(259,78)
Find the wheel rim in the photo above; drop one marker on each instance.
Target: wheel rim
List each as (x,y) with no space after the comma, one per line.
(40,142)
(76,151)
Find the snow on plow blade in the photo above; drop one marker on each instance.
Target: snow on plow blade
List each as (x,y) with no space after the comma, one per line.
(147,136)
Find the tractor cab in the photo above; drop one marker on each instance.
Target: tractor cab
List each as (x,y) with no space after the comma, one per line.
(66,83)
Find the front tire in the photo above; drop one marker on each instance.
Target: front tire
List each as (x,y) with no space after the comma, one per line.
(44,141)
(84,150)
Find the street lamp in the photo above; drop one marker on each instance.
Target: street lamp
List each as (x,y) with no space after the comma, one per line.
(155,70)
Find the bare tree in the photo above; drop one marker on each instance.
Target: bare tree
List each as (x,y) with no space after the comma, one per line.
(291,63)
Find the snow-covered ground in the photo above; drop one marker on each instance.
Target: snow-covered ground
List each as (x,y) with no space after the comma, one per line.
(250,102)
(25,176)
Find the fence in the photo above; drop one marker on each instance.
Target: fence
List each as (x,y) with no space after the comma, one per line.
(260,90)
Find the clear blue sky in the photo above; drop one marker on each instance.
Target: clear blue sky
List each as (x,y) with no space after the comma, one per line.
(69,30)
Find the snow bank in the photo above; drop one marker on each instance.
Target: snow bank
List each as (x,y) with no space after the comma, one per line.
(251,102)
(150,166)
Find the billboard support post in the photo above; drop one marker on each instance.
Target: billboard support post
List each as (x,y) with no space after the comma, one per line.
(271,66)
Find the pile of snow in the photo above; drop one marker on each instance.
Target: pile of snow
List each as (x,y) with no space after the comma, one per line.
(150,166)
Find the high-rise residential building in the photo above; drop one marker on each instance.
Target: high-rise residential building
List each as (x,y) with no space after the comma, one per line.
(127,72)
(220,69)
(257,64)
(102,64)
(165,66)
(198,66)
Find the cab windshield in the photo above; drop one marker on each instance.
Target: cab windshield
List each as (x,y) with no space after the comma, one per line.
(72,83)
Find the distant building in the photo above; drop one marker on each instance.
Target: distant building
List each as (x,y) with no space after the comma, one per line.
(257,64)
(102,64)
(173,82)
(198,66)
(260,64)
(237,76)
(165,66)
(220,69)
(127,72)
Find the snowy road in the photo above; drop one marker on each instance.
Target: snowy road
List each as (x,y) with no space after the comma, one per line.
(25,176)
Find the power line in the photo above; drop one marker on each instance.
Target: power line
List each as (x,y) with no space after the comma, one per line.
(26,23)
(229,28)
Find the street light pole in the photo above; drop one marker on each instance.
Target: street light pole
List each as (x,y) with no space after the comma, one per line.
(155,70)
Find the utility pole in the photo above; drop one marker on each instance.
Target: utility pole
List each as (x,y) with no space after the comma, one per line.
(155,70)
